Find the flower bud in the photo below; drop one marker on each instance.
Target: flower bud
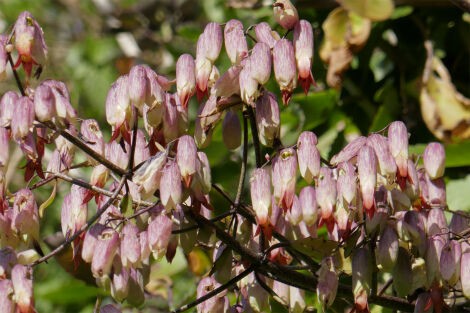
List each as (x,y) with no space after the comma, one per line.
(235,41)
(433,191)
(284,178)
(436,222)
(6,296)
(22,118)
(170,118)
(284,68)
(294,216)
(159,234)
(303,47)
(350,151)
(185,79)
(260,60)
(93,137)
(120,283)
(186,158)
(44,103)
(268,119)
(66,114)
(361,277)
(231,130)
(115,154)
(450,262)
(285,14)
(21,278)
(3,56)
(139,86)
(412,184)
(248,84)
(398,144)
(459,222)
(413,229)
(265,34)
(74,211)
(142,151)
(308,203)
(158,85)
(208,48)
(403,273)
(29,42)
(465,273)
(296,300)
(346,183)
(327,282)
(308,155)
(118,107)
(148,176)
(326,193)
(171,189)
(7,261)
(25,219)
(387,248)
(424,303)
(201,185)
(106,246)
(215,304)
(367,171)
(434,159)
(4,151)
(260,188)
(229,83)
(130,245)
(209,115)
(136,295)
(435,245)
(7,105)
(90,240)
(386,164)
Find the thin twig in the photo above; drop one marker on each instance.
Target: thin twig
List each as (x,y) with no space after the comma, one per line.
(215,291)
(15,74)
(82,229)
(86,185)
(85,148)
(241,179)
(254,134)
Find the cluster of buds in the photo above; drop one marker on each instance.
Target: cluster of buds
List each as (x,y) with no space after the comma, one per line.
(373,188)
(16,284)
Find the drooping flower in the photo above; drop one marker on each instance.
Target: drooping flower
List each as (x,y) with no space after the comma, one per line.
(303,47)
(185,79)
(308,155)
(285,68)
(235,41)
(285,14)
(29,42)
(260,187)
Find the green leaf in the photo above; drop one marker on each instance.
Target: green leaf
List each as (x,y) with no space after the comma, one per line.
(350,243)
(316,106)
(126,206)
(49,200)
(316,248)
(389,110)
(401,11)
(457,199)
